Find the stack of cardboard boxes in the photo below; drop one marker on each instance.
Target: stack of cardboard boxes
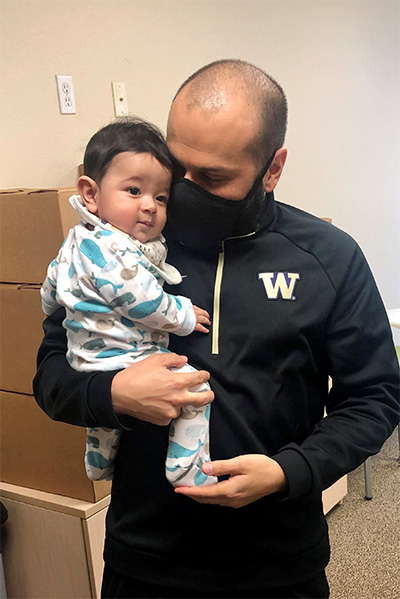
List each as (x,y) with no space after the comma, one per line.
(36,451)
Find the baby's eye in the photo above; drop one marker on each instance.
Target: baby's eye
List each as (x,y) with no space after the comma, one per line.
(162,199)
(135,191)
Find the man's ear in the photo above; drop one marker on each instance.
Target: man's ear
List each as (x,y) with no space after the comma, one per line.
(88,190)
(273,174)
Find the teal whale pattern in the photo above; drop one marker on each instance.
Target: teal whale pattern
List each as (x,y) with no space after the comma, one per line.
(95,459)
(126,298)
(93,441)
(74,325)
(146,308)
(200,478)
(102,233)
(94,344)
(179,451)
(126,322)
(113,351)
(90,249)
(92,306)
(102,282)
(71,270)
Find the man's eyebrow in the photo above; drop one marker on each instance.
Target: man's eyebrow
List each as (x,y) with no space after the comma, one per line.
(209,169)
(215,169)
(218,169)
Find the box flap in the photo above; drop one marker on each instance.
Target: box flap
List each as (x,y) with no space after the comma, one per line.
(10,191)
(42,191)
(34,223)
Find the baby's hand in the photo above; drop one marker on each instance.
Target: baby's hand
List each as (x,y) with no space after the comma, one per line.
(202,317)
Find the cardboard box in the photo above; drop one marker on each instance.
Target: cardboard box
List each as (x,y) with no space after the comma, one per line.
(39,453)
(33,225)
(21,320)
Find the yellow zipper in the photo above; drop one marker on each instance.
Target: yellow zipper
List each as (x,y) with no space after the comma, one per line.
(216,307)
(217,295)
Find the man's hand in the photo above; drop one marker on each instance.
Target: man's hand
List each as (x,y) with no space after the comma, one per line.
(252,476)
(149,391)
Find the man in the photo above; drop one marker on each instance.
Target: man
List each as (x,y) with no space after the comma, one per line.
(292,302)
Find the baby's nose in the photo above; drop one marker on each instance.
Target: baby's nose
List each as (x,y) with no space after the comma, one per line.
(149,204)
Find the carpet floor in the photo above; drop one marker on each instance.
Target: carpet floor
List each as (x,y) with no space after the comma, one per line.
(365,535)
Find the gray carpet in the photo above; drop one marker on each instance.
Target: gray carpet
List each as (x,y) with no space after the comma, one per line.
(365,535)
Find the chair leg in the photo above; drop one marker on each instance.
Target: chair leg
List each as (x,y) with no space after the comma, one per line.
(398,432)
(368,478)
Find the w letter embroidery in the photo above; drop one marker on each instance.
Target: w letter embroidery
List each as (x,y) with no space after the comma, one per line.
(279,284)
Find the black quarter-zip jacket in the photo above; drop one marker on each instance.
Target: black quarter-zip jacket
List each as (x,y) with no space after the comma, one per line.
(292,306)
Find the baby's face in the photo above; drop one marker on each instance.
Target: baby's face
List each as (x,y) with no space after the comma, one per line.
(133,195)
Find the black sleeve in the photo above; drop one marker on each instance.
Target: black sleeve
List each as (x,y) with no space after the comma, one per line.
(79,398)
(363,404)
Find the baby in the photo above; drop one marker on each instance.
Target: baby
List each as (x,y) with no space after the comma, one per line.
(109,275)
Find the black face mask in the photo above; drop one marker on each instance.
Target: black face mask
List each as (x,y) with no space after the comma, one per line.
(202,220)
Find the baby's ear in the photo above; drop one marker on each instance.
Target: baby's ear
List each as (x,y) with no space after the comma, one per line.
(87,189)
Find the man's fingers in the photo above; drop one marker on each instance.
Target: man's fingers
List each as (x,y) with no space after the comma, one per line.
(202,398)
(188,381)
(171,360)
(152,390)
(223,467)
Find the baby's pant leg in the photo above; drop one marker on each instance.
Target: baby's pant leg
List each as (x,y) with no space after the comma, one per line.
(101,449)
(189,443)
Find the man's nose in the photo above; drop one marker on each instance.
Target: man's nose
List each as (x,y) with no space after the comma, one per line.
(195,178)
(149,204)
(191,177)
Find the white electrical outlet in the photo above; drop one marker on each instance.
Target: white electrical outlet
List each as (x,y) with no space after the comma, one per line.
(120,98)
(66,97)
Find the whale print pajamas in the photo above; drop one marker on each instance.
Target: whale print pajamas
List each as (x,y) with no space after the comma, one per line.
(117,313)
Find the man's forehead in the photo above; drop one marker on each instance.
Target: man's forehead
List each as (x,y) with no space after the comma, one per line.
(223,132)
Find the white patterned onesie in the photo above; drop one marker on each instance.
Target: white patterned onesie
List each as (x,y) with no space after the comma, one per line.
(116,313)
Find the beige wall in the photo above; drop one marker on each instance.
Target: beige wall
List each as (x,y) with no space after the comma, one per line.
(338,61)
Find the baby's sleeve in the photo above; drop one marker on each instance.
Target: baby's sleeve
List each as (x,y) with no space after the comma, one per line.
(137,295)
(125,283)
(48,291)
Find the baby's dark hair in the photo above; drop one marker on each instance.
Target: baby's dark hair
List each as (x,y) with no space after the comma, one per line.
(127,134)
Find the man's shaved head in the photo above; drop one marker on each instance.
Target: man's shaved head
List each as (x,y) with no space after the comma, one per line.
(216,85)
